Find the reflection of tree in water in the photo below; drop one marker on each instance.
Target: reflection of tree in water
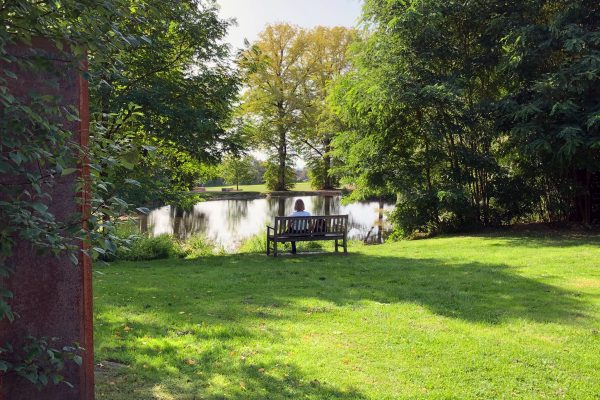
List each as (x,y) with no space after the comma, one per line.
(278,205)
(236,210)
(325,205)
(380,221)
(143,223)
(222,218)
(186,223)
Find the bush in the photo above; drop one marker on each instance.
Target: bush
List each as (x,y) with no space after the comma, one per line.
(146,247)
(197,246)
(255,244)
(126,229)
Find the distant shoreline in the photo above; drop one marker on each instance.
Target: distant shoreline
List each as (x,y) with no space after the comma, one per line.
(243,195)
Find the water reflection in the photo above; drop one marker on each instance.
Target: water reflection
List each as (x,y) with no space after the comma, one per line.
(229,222)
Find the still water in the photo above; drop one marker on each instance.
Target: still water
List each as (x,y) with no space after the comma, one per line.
(227,223)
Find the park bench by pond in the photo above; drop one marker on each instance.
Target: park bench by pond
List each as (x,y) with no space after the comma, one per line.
(308,229)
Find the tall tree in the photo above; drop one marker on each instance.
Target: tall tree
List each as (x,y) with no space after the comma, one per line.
(553,106)
(174,71)
(237,169)
(326,57)
(274,76)
(419,102)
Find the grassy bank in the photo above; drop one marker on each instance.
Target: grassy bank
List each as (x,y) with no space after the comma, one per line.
(300,186)
(484,316)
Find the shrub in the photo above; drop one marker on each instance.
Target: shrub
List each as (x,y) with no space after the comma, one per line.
(126,229)
(254,244)
(146,247)
(197,246)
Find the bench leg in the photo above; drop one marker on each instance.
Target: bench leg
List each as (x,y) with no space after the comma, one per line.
(345,246)
(274,248)
(336,245)
(268,245)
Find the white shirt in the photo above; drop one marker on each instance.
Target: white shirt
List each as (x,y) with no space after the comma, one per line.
(300,225)
(300,214)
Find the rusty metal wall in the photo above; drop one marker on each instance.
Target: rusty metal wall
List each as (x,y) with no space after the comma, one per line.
(52,296)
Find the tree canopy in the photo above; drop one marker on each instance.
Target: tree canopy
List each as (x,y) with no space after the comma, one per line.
(288,72)
(471,113)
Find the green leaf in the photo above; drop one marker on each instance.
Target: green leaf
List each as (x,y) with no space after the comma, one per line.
(39,207)
(68,171)
(17,157)
(6,311)
(4,366)
(73,258)
(4,167)
(99,250)
(43,379)
(78,359)
(133,182)
(10,74)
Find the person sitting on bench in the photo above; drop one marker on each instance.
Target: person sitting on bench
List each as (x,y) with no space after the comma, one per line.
(298,212)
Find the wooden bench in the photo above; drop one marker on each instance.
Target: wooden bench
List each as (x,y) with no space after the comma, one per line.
(308,229)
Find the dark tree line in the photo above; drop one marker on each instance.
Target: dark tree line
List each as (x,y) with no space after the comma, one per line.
(475,113)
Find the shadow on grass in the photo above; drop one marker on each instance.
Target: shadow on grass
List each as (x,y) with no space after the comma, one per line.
(226,298)
(536,239)
(207,381)
(474,292)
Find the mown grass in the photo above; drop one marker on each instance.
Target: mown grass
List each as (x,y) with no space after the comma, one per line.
(262,188)
(487,316)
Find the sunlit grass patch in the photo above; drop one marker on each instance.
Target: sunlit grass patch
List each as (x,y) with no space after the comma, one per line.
(485,316)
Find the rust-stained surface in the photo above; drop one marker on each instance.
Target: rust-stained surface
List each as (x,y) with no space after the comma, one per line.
(52,296)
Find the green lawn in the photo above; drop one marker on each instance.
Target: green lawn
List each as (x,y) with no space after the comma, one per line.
(471,317)
(300,186)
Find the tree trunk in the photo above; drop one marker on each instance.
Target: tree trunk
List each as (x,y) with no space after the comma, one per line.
(380,221)
(328,179)
(282,154)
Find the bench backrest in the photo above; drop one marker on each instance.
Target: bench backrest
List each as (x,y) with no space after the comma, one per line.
(309,226)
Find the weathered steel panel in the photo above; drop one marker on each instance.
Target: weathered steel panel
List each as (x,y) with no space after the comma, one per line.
(52,296)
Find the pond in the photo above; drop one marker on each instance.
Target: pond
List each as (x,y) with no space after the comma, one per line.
(228,223)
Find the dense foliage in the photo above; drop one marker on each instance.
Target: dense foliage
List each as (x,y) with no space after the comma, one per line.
(326,54)
(473,113)
(160,98)
(175,72)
